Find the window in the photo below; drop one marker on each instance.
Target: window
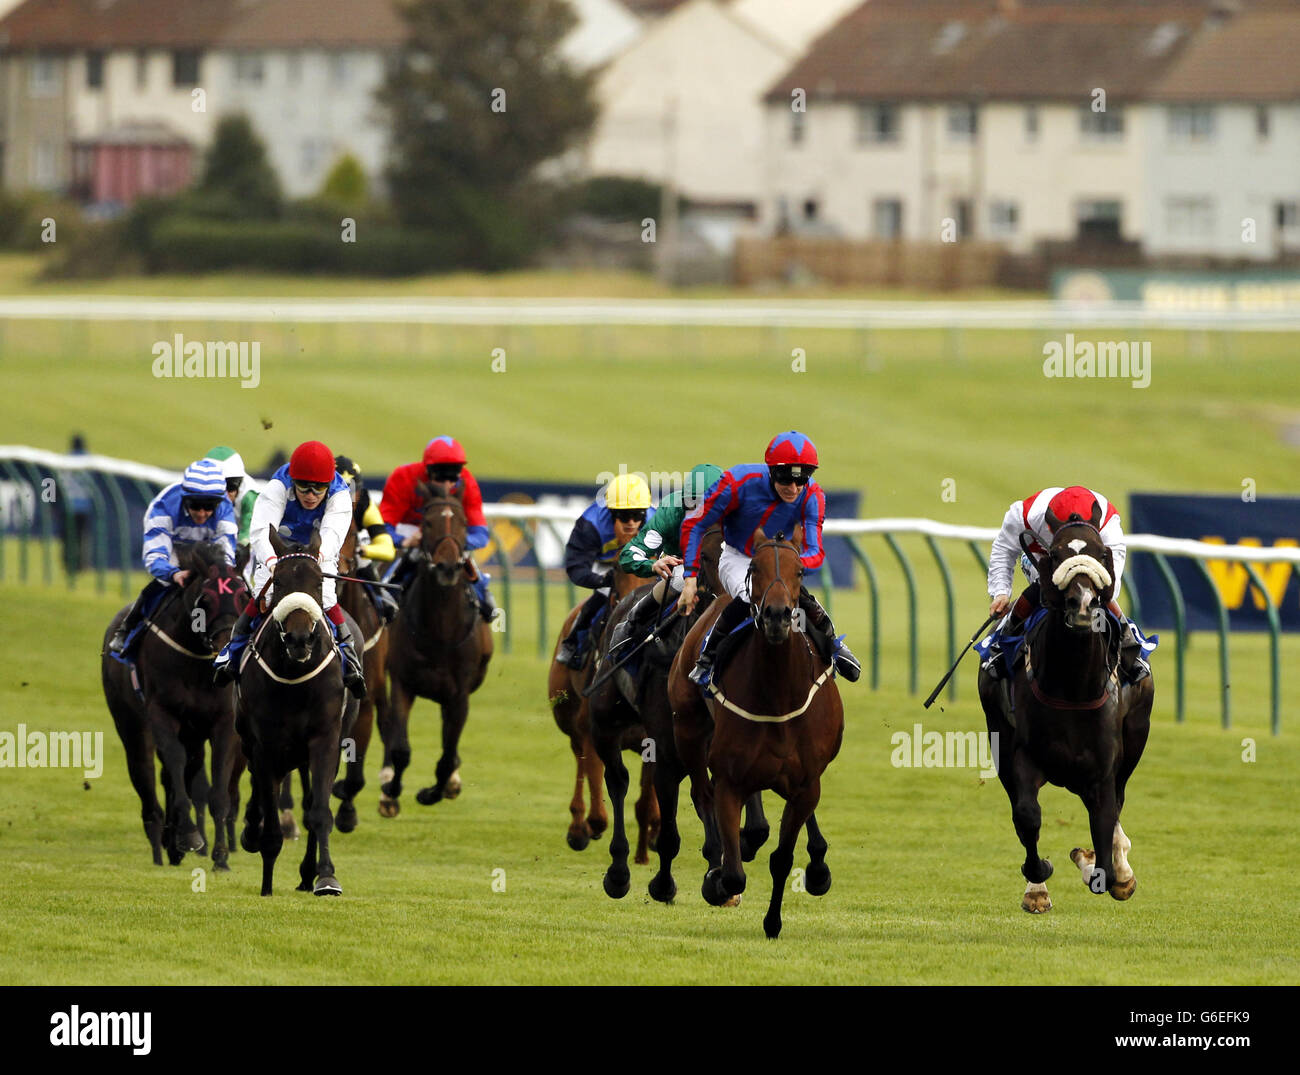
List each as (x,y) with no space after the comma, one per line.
(141,68)
(1287,215)
(1031,123)
(43,76)
(877,123)
(963,123)
(797,128)
(810,210)
(1101,126)
(1190,124)
(1189,218)
(185,67)
(887,218)
(94,70)
(1099,219)
(44,160)
(1004,218)
(1262,116)
(249,69)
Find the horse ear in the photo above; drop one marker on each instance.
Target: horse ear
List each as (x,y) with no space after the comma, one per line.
(1109,594)
(1053,523)
(1095,517)
(278,545)
(424,491)
(759,537)
(313,546)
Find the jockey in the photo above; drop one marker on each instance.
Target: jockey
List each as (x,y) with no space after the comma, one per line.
(443,468)
(301,497)
(242,497)
(657,551)
(777,495)
(1043,514)
(374,543)
(189,511)
(613,519)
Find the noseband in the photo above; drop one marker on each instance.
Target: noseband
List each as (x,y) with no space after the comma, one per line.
(761,604)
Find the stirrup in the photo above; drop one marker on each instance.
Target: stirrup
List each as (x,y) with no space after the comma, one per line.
(702,674)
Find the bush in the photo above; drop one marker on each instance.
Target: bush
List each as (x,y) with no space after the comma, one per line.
(22,219)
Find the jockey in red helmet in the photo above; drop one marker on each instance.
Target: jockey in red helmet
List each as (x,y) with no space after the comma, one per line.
(777,495)
(1042,515)
(442,468)
(303,496)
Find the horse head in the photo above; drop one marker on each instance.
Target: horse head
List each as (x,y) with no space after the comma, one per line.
(443,533)
(296,608)
(1077,577)
(220,595)
(774,585)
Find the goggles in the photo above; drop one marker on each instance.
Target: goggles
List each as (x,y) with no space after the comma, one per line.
(628,515)
(312,488)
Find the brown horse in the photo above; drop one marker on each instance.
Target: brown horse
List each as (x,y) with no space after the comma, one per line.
(438,648)
(564,687)
(1070,722)
(372,630)
(777,722)
(180,710)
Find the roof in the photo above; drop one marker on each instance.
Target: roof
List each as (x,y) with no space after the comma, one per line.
(74,24)
(1252,57)
(1007,49)
(142,133)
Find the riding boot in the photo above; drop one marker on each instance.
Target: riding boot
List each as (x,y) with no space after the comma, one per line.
(487,607)
(380,596)
(354,676)
(728,620)
(822,630)
(1132,665)
(1025,604)
(225,669)
(569,653)
(637,621)
(133,617)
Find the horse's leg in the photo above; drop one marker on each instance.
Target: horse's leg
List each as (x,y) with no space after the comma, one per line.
(397,751)
(200,790)
(1027,817)
(597,817)
(722,884)
(237,767)
(354,778)
(798,810)
(668,776)
(266,789)
(288,823)
(1136,726)
(817,877)
(756,831)
(617,780)
(185,834)
(648,820)
(223,761)
(323,758)
(144,778)
(1103,821)
(579,833)
(446,783)
(306,868)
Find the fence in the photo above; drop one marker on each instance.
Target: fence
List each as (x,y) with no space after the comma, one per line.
(110,486)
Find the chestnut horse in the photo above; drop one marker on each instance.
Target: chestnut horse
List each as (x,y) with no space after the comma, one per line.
(564,687)
(1070,722)
(777,722)
(438,648)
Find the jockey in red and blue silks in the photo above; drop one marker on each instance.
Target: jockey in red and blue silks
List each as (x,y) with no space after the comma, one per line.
(304,496)
(776,495)
(442,467)
(192,510)
(1042,515)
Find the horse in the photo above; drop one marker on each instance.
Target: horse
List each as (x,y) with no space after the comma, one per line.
(176,708)
(438,648)
(778,724)
(571,710)
(1069,721)
(291,712)
(623,702)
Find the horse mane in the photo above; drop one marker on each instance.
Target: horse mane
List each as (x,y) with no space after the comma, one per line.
(202,556)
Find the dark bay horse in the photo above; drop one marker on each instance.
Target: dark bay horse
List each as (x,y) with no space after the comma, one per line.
(1070,723)
(438,648)
(571,710)
(773,720)
(181,710)
(291,712)
(641,703)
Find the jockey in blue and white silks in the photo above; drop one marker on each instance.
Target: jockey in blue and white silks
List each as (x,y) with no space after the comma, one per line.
(775,495)
(304,496)
(187,512)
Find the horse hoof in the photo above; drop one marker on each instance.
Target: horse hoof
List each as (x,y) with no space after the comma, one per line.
(1036,902)
(345,818)
(1123,890)
(289,825)
(303,886)
(641,858)
(772,926)
(249,840)
(1080,857)
(193,841)
(389,807)
(663,889)
(339,791)
(817,879)
(221,867)
(712,890)
(452,788)
(750,841)
(327,886)
(615,890)
(578,840)
(597,826)
(733,901)
(427,796)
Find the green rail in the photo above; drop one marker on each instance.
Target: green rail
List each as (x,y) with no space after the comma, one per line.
(1274,634)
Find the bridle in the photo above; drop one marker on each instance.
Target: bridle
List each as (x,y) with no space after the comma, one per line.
(758,606)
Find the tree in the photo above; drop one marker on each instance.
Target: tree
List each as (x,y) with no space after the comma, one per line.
(346,183)
(480,98)
(236,173)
